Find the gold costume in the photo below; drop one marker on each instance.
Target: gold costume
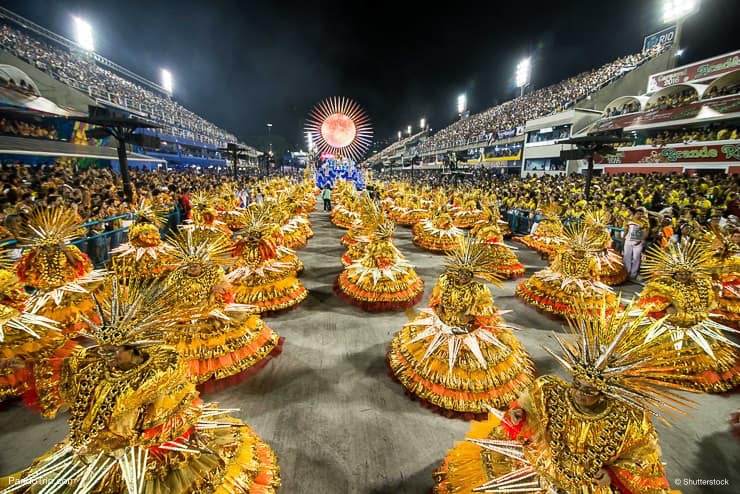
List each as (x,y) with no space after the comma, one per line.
(680,288)
(610,267)
(547,237)
(437,232)
(227,339)
(136,422)
(265,274)
(505,263)
(571,283)
(725,268)
(458,356)
(591,436)
(382,279)
(145,254)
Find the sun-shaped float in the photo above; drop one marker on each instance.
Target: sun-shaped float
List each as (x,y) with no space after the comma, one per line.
(340,126)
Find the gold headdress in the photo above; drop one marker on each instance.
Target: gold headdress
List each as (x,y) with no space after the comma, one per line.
(610,353)
(47,227)
(472,257)
(597,217)
(576,236)
(190,249)
(136,312)
(720,245)
(692,257)
(385,229)
(147,212)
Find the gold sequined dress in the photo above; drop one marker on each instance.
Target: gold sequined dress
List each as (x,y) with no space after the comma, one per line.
(507,264)
(226,340)
(437,233)
(690,304)
(382,279)
(144,429)
(481,364)
(568,286)
(565,446)
(264,277)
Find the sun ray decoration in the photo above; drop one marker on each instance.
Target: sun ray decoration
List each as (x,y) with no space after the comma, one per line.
(340,126)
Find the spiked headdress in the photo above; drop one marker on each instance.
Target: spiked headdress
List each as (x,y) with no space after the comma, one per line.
(610,353)
(577,237)
(720,244)
(147,212)
(692,257)
(472,256)
(189,249)
(49,226)
(385,229)
(597,217)
(135,313)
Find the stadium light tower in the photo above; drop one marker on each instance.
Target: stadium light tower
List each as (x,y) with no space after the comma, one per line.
(167,81)
(523,71)
(408,130)
(423,123)
(84,34)
(677,11)
(462,103)
(399,135)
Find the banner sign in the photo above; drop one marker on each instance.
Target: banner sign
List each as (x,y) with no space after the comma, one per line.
(699,71)
(505,134)
(717,153)
(698,110)
(661,38)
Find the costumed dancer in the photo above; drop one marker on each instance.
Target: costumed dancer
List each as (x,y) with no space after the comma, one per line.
(546,235)
(437,233)
(64,281)
(205,222)
(145,255)
(491,213)
(609,262)
(226,339)
(725,267)
(382,279)
(593,435)
(505,262)
(459,356)
(358,237)
(259,277)
(413,213)
(344,213)
(25,337)
(469,212)
(680,288)
(136,423)
(571,282)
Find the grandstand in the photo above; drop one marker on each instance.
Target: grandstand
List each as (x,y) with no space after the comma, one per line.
(503,125)
(187,138)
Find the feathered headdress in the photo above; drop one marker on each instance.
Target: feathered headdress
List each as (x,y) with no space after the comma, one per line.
(576,236)
(720,245)
(597,217)
(472,256)
(147,212)
(610,353)
(135,313)
(385,229)
(189,248)
(692,257)
(49,226)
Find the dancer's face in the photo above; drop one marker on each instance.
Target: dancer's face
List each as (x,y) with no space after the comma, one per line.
(683,276)
(585,395)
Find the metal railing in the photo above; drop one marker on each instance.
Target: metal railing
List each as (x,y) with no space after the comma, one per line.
(98,244)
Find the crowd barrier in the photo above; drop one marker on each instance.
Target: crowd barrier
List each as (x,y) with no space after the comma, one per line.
(105,234)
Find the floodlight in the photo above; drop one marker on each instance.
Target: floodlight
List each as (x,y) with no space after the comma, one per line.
(167,80)
(84,34)
(408,130)
(461,103)
(523,70)
(674,10)
(423,123)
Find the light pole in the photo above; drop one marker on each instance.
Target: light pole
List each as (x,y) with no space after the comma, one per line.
(462,103)
(677,11)
(523,72)
(167,83)
(423,123)
(408,130)
(84,34)
(399,135)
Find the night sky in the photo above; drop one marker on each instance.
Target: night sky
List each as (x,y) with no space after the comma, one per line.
(244,64)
